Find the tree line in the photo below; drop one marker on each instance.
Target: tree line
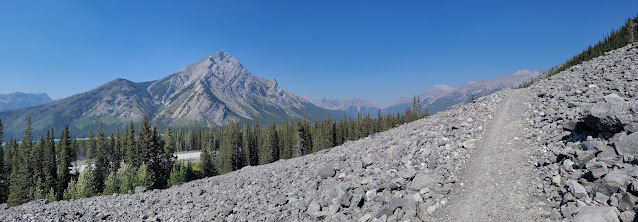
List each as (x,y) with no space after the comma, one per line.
(42,169)
(627,34)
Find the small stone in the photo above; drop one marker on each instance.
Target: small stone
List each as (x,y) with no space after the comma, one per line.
(556,180)
(631,128)
(627,216)
(577,190)
(601,198)
(366,161)
(365,218)
(431,209)
(140,189)
(417,197)
(555,215)
(327,171)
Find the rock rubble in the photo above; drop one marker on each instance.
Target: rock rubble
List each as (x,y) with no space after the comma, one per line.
(585,125)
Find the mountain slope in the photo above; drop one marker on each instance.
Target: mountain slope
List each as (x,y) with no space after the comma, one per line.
(350,106)
(22,100)
(210,92)
(442,97)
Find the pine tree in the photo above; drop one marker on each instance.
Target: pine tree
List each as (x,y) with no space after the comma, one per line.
(206,164)
(101,161)
(144,148)
(64,162)
(252,144)
(20,182)
(49,163)
(4,173)
(131,157)
(160,160)
(115,154)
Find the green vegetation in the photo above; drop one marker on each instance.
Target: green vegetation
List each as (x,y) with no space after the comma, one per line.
(627,34)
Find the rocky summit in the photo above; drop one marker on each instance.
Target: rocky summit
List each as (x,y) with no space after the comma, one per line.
(565,148)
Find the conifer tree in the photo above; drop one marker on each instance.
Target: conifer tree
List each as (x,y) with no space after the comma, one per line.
(131,157)
(4,173)
(206,164)
(49,163)
(20,181)
(144,142)
(64,162)
(101,161)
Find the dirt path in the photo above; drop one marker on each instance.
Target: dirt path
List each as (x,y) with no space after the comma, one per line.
(498,181)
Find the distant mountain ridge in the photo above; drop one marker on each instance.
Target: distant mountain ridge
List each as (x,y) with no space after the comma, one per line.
(210,92)
(442,97)
(350,106)
(19,100)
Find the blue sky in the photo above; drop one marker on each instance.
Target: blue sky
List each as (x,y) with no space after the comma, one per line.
(375,50)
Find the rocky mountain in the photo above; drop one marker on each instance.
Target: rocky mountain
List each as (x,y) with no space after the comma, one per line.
(350,106)
(209,92)
(442,97)
(21,100)
(563,149)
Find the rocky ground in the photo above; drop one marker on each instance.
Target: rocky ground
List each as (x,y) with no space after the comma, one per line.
(563,149)
(586,120)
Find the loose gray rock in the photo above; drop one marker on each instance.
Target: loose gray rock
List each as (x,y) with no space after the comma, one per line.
(577,190)
(597,214)
(627,145)
(327,171)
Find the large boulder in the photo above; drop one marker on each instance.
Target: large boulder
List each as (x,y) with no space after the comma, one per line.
(614,182)
(609,116)
(597,214)
(627,145)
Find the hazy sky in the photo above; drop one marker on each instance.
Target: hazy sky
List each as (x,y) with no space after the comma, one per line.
(375,50)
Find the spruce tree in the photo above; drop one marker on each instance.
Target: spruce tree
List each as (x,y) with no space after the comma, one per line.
(20,181)
(144,148)
(4,173)
(64,162)
(49,163)
(206,164)
(131,157)
(101,161)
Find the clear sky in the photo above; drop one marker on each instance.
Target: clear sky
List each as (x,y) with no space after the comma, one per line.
(375,50)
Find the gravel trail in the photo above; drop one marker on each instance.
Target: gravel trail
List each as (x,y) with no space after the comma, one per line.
(497,184)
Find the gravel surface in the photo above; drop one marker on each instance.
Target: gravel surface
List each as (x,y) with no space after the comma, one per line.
(497,184)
